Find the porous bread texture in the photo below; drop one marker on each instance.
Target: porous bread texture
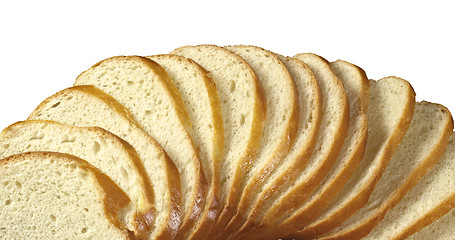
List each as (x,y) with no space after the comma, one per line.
(243,106)
(332,132)
(356,85)
(280,128)
(420,149)
(88,106)
(200,97)
(102,149)
(58,196)
(389,115)
(431,198)
(145,89)
(310,111)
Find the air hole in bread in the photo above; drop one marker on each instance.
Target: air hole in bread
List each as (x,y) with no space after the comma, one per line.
(96,147)
(5,183)
(5,146)
(242,120)
(130,83)
(124,174)
(8,202)
(18,184)
(232,87)
(84,230)
(148,112)
(55,105)
(69,139)
(37,136)
(53,218)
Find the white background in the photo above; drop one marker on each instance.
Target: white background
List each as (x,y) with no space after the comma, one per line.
(44,45)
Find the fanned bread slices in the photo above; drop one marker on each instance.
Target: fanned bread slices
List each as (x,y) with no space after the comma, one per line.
(279,130)
(243,106)
(430,199)
(332,132)
(199,94)
(357,89)
(113,156)
(89,106)
(422,146)
(144,88)
(45,193)
(310,104)
(390,112)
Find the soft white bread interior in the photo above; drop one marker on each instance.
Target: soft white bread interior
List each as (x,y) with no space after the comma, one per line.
(279,130)
(89,106)
(431,198)
(58,196)
(421,148)
(102,149)
(243,106)
(390,112)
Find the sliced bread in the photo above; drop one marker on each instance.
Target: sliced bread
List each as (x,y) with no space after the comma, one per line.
(145,89)
(310,111)
(421,148)
(58,196)
(279,130)
(199,94)
(102,149)
(243,106)
(431,198)
(357,89)
(332,133)
(89,106)
(390,111)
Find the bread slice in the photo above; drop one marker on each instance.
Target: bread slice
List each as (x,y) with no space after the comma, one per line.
(279,130)
(333,129)
(102,149)
(200,96)
(243,106)
(310,111)
(144,87)
(89,106)
(390,112)
(58,196)
(431,198)
(357,89)
(422,146)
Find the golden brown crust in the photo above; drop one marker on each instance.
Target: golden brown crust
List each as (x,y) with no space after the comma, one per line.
(362,229)
(343,212)
(257,180)
(172,174)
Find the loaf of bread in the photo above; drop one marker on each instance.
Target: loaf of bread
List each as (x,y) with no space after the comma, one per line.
(229,143)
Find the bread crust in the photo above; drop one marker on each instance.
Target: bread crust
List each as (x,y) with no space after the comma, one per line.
(361,229)
(335,219)
(248,195)
(172,174)
(258,110)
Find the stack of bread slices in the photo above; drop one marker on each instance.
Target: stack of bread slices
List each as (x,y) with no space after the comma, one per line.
(228,143)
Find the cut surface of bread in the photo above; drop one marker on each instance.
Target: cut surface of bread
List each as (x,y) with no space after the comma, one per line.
(431,198)
(199,94)
(421,148)
(102,149)
(332,133)
(356,85)
(243,106)
(145,89)
(58,196)
(279,130)
(390,111)
(310,104)
(88,106)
